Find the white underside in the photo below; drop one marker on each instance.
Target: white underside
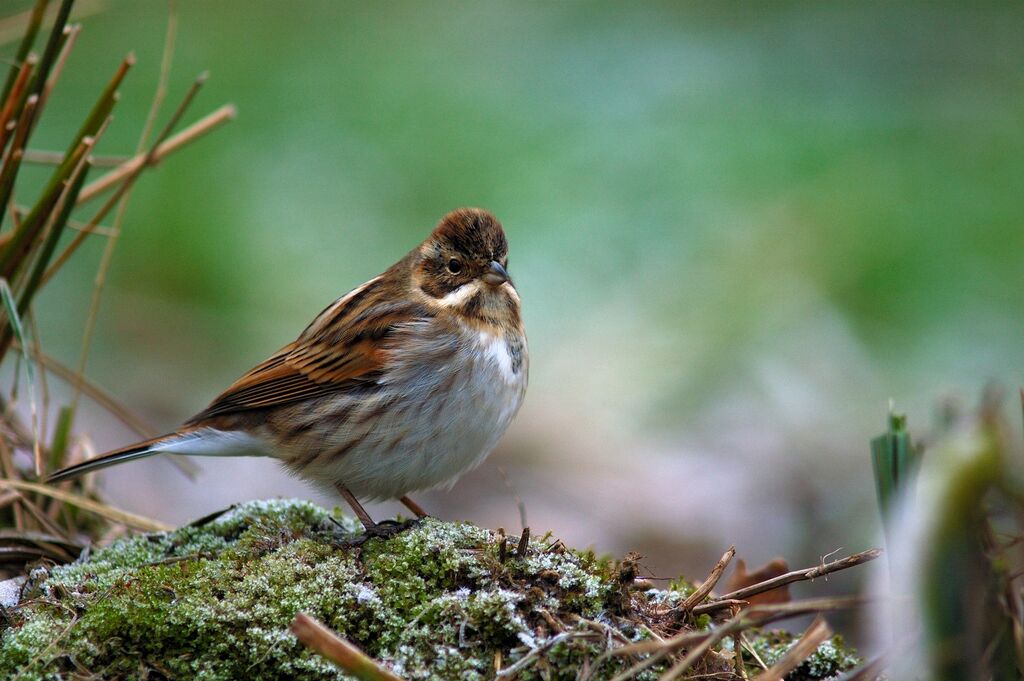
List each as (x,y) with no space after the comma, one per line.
(440,436)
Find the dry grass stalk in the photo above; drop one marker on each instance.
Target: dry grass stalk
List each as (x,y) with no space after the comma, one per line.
(715,606)
(190,134)
(319,638)
(70,37)
(12,27)
(705,588)
(9,106)
(99,508)
(699,644)
(816,634)
(524,543)
(12,162)
(123,192)
(802,575)
(53,158)
(28,245)
(690,659)
(54,43)
(125,173)
(25,25)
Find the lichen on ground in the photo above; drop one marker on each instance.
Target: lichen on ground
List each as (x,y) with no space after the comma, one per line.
(213,601)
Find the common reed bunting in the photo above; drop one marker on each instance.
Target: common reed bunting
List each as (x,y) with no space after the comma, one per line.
(402,384)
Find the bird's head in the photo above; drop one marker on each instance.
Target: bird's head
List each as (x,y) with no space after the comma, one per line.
(462,266)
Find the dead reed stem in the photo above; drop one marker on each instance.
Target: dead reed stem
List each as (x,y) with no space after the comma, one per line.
(802,575)
(316,636)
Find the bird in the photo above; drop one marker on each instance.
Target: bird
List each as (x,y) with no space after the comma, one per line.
(402,384)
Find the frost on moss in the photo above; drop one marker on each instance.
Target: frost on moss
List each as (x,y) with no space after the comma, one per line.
(214,601)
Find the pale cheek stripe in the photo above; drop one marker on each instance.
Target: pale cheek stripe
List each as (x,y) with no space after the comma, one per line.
(461,295)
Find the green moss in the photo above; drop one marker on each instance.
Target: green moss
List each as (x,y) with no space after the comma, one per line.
(214,601)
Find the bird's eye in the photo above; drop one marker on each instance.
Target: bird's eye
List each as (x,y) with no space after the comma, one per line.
(454,266)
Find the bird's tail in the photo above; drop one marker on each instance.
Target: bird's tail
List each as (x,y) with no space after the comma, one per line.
(139,450)
(191,441)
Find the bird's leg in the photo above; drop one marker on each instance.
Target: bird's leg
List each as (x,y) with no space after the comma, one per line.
(361,513)
(385,529)
(414,507)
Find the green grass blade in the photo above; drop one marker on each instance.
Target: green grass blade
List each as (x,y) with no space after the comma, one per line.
(894,462)
(61,438)
(11,309)
(104,104)
(34,22)
(12,256)
(14,320)
(64,206)
(12,162)
(16,251)
(881,459)
(42,261)
(52,48)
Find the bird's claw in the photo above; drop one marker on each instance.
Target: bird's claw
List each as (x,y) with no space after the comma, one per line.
(386,529)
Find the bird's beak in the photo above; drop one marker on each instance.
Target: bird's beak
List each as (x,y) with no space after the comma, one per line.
(496,275)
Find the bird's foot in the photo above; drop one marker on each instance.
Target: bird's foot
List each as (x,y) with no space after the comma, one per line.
(385,529)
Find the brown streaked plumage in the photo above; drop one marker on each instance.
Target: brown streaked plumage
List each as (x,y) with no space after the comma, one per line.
(400,385)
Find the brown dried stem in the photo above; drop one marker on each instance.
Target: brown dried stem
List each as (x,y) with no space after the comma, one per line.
(190,134)
(53,45)
(128,170)
(756,616)
(715,606)
(12,161)
(691,658)
(17,89)
(121,196)
(53,158)
(704,589)
(524,543)
(814,636)
(70,37)
(802,575)
(105,510)
(27,26)
(319,638)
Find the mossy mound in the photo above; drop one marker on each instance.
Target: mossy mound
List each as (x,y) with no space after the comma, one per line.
(440,600)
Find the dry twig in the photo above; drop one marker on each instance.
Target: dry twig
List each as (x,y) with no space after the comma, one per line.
(107,511)
(524,543)
(319,638)
(801,575)
(814,636)
(190,134)
(750,618)
(704,589)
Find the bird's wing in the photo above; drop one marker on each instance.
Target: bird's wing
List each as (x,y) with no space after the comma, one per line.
(345,347)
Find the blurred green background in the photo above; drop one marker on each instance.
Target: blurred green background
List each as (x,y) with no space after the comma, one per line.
(738,230)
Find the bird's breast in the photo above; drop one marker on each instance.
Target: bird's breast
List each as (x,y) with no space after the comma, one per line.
(504,355)
(446,397)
